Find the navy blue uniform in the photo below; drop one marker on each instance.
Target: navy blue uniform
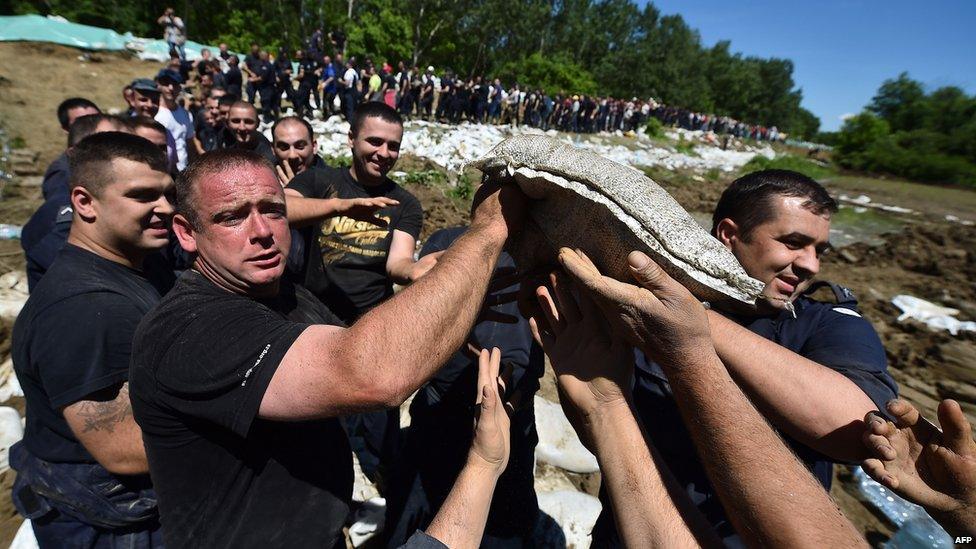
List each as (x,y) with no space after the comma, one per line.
(440,436)
(833,335)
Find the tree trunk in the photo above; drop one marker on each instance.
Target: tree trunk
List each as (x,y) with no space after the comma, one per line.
(349,11)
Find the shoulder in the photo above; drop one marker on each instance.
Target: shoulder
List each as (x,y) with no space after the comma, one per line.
(403,195)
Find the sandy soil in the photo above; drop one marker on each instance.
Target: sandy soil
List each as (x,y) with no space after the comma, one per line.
(931,258)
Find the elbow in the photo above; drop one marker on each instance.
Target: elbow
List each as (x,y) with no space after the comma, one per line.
(126,466)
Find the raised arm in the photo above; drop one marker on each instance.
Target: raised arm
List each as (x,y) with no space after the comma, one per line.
(771,498)
(592,367)
(832,427)
(460,522)
(396,347)
(104,425)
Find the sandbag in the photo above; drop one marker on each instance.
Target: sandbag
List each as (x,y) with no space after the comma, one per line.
(582,200)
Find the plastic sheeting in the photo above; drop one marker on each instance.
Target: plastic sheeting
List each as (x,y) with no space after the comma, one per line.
(58,30)
(936,317)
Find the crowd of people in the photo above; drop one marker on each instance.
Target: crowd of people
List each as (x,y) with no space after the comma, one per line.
(212,333)
(322,84)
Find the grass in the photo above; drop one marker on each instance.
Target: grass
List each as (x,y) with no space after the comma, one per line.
(789,162)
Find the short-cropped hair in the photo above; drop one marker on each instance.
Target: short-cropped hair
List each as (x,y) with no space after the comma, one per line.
(293,120)
(208,164)
(86,125)
(137,122)
(748,201)
(373,109)
(73,103)
(91,160)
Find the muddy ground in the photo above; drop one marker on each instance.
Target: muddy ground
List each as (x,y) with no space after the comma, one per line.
(929,257)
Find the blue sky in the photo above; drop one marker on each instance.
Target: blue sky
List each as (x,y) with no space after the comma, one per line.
(843,50)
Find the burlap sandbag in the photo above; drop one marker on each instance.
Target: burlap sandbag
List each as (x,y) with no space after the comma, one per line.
(582,200)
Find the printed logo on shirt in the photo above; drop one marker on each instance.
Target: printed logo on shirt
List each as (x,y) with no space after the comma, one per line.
(257,362)
(343,235)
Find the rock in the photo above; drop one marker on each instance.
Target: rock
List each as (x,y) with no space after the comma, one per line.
(574,512)
(558,443)
(13,294)
(964,392)
(956,360)
(11,431)
(848,256)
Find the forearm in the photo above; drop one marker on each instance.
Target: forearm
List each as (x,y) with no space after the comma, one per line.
(769,495)
(812,403)
(445,302)
(305,211)
(649,507)
(460,522)
(401,271)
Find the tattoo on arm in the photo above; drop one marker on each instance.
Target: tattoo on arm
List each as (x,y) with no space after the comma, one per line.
(105,415)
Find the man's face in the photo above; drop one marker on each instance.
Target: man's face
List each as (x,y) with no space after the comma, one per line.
(168,89)
(783,252)
(242,121)
(144,103)
(132,213)
(213,110)
(224,111)
(293,144)
(78,112)
(376,147)
(327,60)
(243,239)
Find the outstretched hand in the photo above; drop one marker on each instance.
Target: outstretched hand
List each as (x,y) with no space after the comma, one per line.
(492,431)
(932,468)
(660,316)
(594,368)
(364,209)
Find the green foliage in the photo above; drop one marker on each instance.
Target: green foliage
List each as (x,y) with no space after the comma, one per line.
(787,162)
(555,74)
(337,161)
(685,147)
(425,178)
(929,137)
(18,142)
(654,127)
(464,189)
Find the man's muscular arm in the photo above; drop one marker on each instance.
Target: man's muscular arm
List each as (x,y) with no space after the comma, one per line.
(389,352)
(106,428)
(811,402)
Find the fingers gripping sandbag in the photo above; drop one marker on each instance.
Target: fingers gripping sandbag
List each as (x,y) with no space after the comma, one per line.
(582,200)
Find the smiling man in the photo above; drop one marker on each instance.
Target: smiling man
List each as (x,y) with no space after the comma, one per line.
(294,147)
(82,470)
(238,375)
(241,131)
(813,370)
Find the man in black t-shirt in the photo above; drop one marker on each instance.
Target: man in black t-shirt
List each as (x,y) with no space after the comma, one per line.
(355,257)
(241,131)
(352,261)
(81,465)
(237,376)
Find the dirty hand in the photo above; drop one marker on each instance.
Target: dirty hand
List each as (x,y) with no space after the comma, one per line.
(364,209)
(492,432)
(593,366)
(936,470)
(499,206)
(659,316)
